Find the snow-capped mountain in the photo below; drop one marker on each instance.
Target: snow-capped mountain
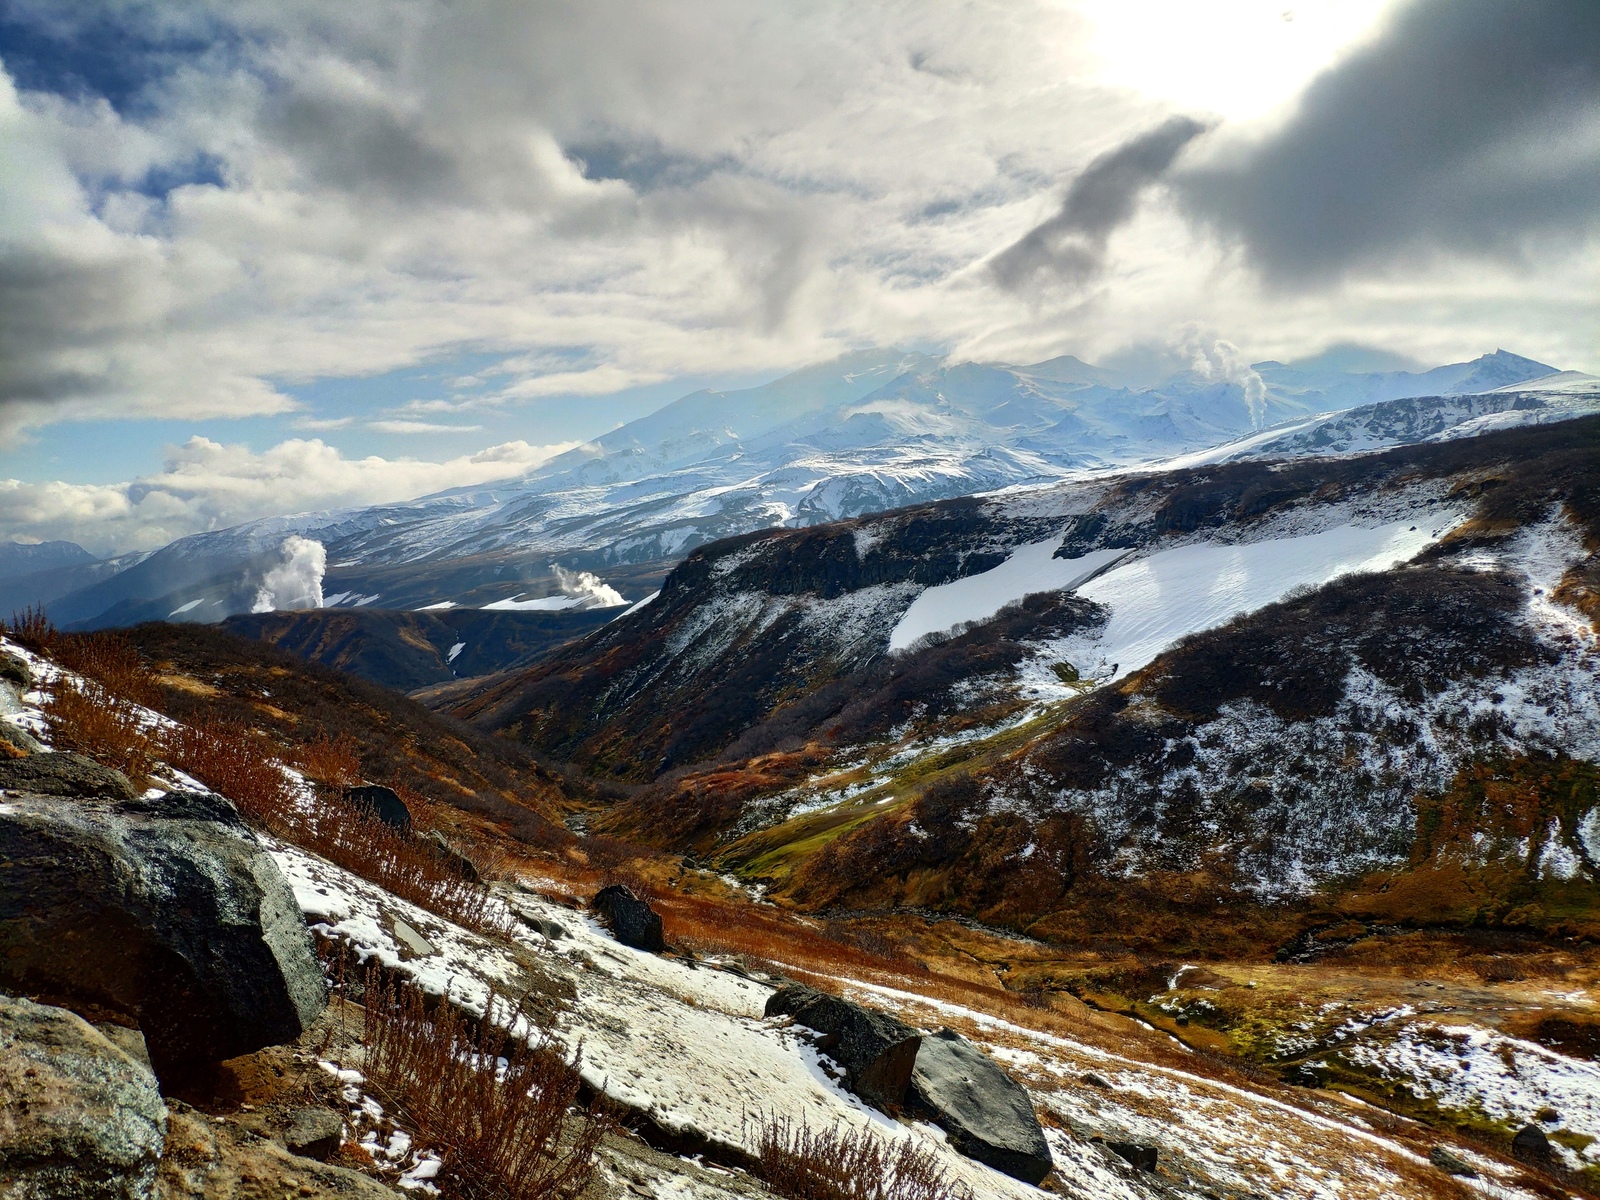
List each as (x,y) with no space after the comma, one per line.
(871,431)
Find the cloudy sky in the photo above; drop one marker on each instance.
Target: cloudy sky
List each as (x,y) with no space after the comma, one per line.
(272,255)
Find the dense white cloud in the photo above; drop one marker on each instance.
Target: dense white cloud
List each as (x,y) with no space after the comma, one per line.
(205,485)
(611,194)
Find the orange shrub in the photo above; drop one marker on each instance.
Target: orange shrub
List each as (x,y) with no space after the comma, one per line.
(495,1108)
(800,1163)
(90,720)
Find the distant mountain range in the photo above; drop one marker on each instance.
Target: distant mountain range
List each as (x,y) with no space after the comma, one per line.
(871,431)
(20,558)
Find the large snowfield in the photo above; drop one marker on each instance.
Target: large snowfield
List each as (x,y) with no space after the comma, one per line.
(1157,599)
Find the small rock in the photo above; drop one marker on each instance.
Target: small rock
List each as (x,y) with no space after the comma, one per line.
(381,802)
(212,1160)
(313,1133)
(14,669)
(985,1112)
(1447,1159)
(15,741)
(79,1119)
(1305,1075)
(550,929)
(412,944)
(52,774)
(1530,1142)
(1093,1080)
(633,922)
(1142,1157)
(453,857)
(876,1051)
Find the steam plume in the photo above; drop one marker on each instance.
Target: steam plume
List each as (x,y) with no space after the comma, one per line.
(296,582)
(594,591)
(1223,361)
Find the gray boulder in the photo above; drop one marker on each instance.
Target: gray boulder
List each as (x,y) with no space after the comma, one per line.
(632,921)
(985,1112)
(166,911)
(380,802)
(14,669)
(313,1132)
(876,1050)
(63,775)
(1448,1160)
(79,1119)
(16,741)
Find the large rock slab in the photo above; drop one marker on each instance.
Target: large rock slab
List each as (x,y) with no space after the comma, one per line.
(633,921)
(986,1113)
(63,775)
(79,1119)
(876,1051)
(167,911)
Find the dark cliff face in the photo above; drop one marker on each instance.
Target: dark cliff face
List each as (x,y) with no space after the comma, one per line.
(761,637)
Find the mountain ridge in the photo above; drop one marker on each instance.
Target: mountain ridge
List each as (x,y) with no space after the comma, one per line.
(871,431)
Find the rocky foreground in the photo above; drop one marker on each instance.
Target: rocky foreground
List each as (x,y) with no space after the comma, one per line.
(186,1009)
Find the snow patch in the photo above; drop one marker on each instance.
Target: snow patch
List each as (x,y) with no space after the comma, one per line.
(1156,600)
(1029,569)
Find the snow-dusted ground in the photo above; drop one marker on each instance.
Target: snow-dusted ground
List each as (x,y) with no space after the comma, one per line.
(1479,1072)
(688,1046)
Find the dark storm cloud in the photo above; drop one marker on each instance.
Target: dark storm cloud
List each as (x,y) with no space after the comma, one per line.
(1071,245)
(1467,126)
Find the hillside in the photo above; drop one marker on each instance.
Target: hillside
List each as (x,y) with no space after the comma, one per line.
(1040,708)
(405,651)
(473,1036)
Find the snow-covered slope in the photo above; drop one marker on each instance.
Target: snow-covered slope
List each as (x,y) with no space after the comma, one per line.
(1256,674)
(1557,397)
(872,431)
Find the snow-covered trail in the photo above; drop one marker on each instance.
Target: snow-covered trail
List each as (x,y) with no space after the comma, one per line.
(687,1046)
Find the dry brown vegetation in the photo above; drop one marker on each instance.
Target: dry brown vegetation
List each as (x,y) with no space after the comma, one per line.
(93,721)
(103,712)
(500,1112)
(801,1163)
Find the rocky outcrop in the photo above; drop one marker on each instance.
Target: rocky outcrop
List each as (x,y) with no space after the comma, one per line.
(166,911)
(14,669)
(222,1160)
(79,1119)
(16,741)
(633,921)
(313,1132)
(986,1113)
(381,802)
(63,775)
(876,1051)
